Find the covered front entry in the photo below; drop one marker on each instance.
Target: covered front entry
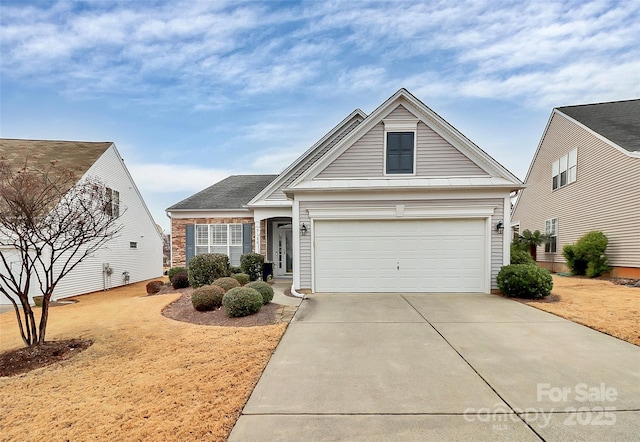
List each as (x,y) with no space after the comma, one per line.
(367,256)
(282,248)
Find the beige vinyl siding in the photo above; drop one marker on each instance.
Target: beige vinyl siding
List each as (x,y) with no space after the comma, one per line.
(605,195)
(496,238)
(435,157)
(278,194)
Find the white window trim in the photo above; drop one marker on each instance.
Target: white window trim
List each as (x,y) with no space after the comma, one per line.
(570,161)
(400,125)
(209,244)
(551,231)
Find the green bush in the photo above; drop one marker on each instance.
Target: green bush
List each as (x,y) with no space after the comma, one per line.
(524,281)
(235,269)
(251,264)
(227,283)
(207,297)
(206,268)
(264,289)
(180,280)
(242,278)
(520,256)
(173,270)
(587,256)
(242,301)
(154,287)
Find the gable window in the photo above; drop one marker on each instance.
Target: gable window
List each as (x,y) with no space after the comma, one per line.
(564,170)
(551,229)
(400,152)
(400,146)
(220,238)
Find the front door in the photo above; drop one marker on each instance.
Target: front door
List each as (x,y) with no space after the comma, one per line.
(283,248)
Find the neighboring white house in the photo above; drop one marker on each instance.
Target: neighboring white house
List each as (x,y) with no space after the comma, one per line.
(394,201)
(136,253)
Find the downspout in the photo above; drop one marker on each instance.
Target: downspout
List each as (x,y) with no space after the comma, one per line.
(297,294)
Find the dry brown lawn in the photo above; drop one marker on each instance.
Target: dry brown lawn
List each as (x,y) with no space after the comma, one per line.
(146,377)
(597,303)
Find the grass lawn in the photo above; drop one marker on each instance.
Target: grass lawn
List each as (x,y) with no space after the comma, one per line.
(146,377)
(596,303)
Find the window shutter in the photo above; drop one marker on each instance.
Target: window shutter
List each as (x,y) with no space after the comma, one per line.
(246,238)
(190,242)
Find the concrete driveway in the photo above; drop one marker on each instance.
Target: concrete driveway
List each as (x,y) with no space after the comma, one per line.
(442,367)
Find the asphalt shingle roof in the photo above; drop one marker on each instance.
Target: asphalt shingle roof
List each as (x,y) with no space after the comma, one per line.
(231,193)
(76,156)
(618,121)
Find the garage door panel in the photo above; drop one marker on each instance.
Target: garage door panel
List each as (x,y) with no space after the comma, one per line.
(391,256)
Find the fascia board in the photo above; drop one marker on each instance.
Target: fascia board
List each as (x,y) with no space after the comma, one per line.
(133,185)
(599,136)
(300,160)
(460,141)
(442,127)
(535,155)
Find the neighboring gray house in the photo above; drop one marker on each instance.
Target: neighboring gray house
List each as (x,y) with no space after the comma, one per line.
(585,176)
(135,254)
(397,200)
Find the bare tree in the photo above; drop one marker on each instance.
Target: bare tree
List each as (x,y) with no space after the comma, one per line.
(49,223)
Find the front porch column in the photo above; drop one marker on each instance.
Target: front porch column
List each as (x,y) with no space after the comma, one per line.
(258,237)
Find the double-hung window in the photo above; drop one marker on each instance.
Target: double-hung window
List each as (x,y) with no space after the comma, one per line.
(564,169)
(220,238)
(551,229)
(112,207)
(400,146)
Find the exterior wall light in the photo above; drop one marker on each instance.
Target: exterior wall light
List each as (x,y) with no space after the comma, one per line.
(500,227)
(304,230)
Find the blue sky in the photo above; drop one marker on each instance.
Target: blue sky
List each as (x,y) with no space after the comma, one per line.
(193,91)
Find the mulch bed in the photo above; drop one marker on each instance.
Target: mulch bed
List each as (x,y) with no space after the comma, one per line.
(182,310)
(22,360)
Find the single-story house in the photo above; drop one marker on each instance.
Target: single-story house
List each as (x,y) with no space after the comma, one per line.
(585,176)
(135,254)
(394,201)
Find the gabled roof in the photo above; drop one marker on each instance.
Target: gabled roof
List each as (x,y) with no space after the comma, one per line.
(310,157)
(499,175)
(75,156)
(232,193)
(617,121)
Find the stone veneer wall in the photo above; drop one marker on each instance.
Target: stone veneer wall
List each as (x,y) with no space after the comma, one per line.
(178,232)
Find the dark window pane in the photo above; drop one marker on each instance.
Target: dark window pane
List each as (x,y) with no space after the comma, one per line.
(555,182)
(563,178)
(400,152)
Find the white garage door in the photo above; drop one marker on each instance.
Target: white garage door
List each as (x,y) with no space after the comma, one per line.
(437,256)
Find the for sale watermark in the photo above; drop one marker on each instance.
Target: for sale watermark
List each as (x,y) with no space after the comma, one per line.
(599,410)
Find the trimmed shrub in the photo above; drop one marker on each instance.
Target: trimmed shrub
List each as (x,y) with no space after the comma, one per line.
(206,268)
(242,301)
(587,256)
(524,281)
(264,289)
(519,256)
(242,278)
(234,269)
(207,297)
(173,270)
(227,283)
(154,287)
(180,280)
(251,264)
